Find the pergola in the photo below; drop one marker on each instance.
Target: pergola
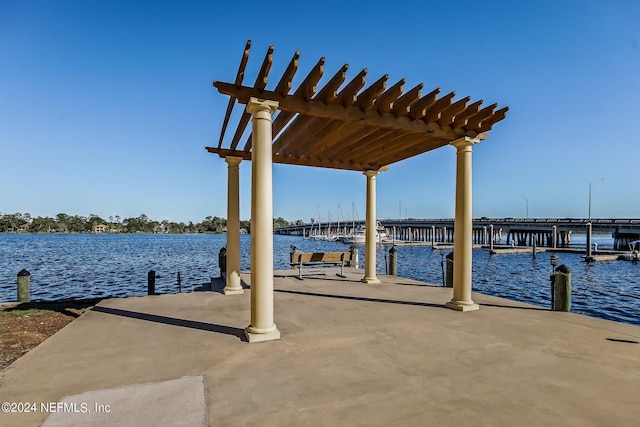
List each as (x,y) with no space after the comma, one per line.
(340,127)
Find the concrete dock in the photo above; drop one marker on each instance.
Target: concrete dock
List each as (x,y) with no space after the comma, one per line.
(350,354)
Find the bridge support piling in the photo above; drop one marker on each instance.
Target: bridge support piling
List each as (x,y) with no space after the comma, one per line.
(433,236)
(491,240)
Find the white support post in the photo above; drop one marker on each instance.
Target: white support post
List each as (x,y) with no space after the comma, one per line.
(370,236)
(463,228)
(262,327)
(233,285)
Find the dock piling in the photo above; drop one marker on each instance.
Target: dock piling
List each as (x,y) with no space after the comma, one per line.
(562,288)
(222,261)
(151,282)
(393,261)
(24,280)
(554,262)
(449,275)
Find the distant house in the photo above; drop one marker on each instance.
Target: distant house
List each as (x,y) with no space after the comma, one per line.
(162,228)
(100,228)
(24,228)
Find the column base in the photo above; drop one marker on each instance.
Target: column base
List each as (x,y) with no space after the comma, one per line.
(233,285)
(255,335)
(370,280)
(462,306)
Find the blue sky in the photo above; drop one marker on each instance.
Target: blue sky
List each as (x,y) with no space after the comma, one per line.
(106,106)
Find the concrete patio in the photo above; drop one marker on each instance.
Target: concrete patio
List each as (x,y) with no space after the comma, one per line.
(350,354)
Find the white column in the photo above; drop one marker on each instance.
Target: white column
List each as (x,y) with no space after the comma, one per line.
(370,236)
(262,327)
(463,228)
(233,284)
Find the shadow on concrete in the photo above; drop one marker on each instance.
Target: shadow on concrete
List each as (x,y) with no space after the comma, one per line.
(311,275)
(354,298)
(390,301)
(337,278)
(623,341)
(517,307)
(420,285)
(210,327)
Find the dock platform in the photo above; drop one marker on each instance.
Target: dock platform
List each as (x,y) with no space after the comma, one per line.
(350,354)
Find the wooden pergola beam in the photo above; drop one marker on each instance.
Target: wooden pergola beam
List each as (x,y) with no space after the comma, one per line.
(292,160)
(348,95)
(307,86)
(284,85)
(224,152)
(461,119)
(295,104)
(329,91)
(238,82)
(384,102)
(368,96)
(263,74)
(380,141)
(297,129)
(308,124)
(485,113)
(433,112)
(447,115)
(419,108)
(259,85)
(487,124)
(350,138)
(401,105)
(399,148)
(242,125)
(324,138)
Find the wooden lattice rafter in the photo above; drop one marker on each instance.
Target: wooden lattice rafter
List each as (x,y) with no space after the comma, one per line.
(353,128)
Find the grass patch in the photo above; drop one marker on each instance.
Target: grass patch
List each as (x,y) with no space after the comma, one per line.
(29,312)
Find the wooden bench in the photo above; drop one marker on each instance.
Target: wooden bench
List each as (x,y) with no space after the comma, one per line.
(320,259)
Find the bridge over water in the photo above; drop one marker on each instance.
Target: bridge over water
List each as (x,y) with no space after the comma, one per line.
(549,232)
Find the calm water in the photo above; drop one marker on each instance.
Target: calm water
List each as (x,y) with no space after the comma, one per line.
(84,265)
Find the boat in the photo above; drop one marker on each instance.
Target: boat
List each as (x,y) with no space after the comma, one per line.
(634,252)
(359,236)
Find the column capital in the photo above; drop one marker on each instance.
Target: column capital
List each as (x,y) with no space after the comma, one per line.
(233,160)
(370,173)
(256,105)
(464,142)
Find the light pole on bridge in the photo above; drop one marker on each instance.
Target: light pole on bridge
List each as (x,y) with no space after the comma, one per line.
(590,184)
(527,206)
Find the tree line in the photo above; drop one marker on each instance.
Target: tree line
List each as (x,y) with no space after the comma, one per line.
(64,223)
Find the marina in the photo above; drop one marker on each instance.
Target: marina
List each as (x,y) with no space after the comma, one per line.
(547,232)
